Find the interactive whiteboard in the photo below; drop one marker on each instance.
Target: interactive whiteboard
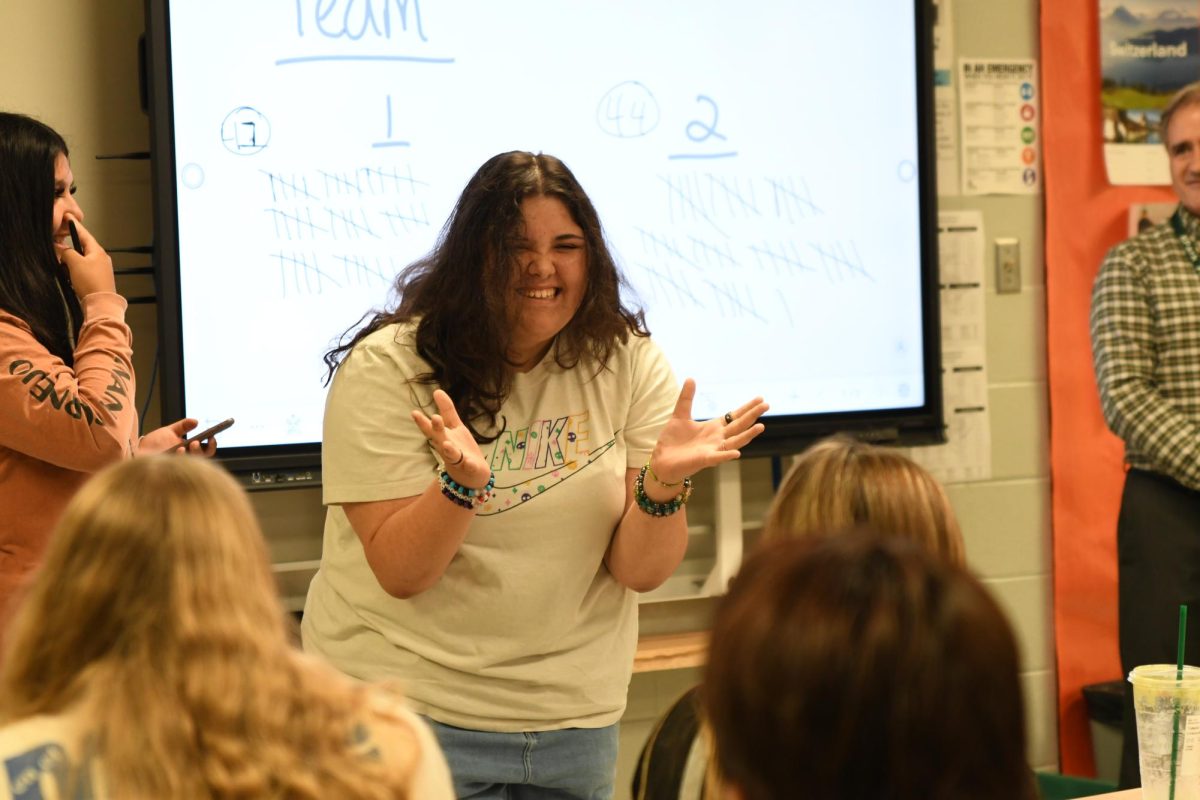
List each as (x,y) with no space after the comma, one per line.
(758,166)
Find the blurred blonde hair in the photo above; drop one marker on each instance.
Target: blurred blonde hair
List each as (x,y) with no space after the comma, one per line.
(839,483)
(156,611)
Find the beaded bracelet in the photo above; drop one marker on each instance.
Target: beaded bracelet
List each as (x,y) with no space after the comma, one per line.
(462,495)
(659,509)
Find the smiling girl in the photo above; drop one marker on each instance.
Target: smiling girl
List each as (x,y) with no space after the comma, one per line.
(506,461)
(66,371)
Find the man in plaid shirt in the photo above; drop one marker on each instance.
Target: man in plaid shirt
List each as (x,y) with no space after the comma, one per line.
(1145,328)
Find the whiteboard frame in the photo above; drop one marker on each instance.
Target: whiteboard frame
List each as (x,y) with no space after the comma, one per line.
(291,464)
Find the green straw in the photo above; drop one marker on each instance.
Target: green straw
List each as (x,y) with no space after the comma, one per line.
(1178,677)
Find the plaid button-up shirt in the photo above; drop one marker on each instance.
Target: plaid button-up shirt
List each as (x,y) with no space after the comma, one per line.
(1145,326)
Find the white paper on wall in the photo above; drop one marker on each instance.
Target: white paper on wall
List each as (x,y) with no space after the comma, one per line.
(1001,138)
(967,454)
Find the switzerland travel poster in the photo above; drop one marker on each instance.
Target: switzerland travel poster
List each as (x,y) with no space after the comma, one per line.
(1149,49)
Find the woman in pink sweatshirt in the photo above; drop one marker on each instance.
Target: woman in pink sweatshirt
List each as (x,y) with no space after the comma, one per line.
(66,371)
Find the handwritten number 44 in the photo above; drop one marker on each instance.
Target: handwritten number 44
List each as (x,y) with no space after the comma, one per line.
(635,113)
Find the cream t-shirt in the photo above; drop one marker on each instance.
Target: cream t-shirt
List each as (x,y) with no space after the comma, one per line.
(527,629)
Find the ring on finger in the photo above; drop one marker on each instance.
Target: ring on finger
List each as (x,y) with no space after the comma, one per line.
(728,418)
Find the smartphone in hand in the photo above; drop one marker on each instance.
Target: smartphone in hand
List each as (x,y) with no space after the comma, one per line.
(205,434)
(75,243)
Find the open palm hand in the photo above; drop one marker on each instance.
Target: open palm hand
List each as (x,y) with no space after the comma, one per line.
(452,440)
(686,446)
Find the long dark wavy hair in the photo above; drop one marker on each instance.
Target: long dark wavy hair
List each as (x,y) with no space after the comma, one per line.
(461,290)
(33,285)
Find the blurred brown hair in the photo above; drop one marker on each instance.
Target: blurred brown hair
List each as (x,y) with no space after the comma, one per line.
(862,667)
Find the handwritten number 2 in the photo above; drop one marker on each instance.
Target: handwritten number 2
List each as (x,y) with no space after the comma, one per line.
(697,130)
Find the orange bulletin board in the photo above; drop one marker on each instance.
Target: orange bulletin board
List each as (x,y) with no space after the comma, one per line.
(1085,216)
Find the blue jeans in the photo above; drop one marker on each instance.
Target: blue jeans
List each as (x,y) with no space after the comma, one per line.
(569,764)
